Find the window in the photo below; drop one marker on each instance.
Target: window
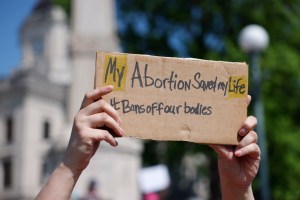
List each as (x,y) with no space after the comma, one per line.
(9,130)
(7,168)
(46,130)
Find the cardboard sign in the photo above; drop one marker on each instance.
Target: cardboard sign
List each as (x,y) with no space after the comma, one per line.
(162,98)
(154,179)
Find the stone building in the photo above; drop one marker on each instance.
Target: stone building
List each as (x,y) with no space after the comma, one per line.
(40,99)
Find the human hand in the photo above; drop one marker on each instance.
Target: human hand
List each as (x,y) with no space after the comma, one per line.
(238,165)
(95,121)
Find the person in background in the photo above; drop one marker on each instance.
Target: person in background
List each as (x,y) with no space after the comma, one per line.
(92,192)
(151,196)
(238,165)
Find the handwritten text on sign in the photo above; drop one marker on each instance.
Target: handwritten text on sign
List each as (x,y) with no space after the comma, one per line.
(155,92)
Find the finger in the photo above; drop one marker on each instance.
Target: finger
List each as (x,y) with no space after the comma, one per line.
(95,95)
(248,125)
(221,150)
(103,119)
(248,100)
(250,138)
(100,135)
(251,150)
(101,106)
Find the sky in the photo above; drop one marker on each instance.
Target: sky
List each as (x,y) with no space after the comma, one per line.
(12,14)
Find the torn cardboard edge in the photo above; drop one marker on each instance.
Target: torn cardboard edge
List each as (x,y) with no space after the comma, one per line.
(175,99)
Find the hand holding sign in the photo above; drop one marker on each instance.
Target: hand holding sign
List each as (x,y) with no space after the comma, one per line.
(238,165)
(163,98)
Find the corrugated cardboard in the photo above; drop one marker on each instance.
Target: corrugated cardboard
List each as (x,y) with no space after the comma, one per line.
(162,98)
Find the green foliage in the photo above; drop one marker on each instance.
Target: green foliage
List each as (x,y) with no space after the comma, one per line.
(209,30)
(65,4)
(282,94)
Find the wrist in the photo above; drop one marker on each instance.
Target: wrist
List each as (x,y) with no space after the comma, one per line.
(231,191)
(69,170)
(60,184)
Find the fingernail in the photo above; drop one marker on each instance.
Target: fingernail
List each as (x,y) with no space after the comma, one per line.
(238,153)
(119,122)
(242,132)
(116,142)
(122,132)
(109,87)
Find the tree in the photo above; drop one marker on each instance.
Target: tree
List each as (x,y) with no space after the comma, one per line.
(65,4)
(209,30)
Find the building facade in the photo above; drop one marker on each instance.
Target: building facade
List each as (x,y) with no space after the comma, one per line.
(39,101)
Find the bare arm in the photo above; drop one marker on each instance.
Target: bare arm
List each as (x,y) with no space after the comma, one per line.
(60,184)
(84,141)
(238,165)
